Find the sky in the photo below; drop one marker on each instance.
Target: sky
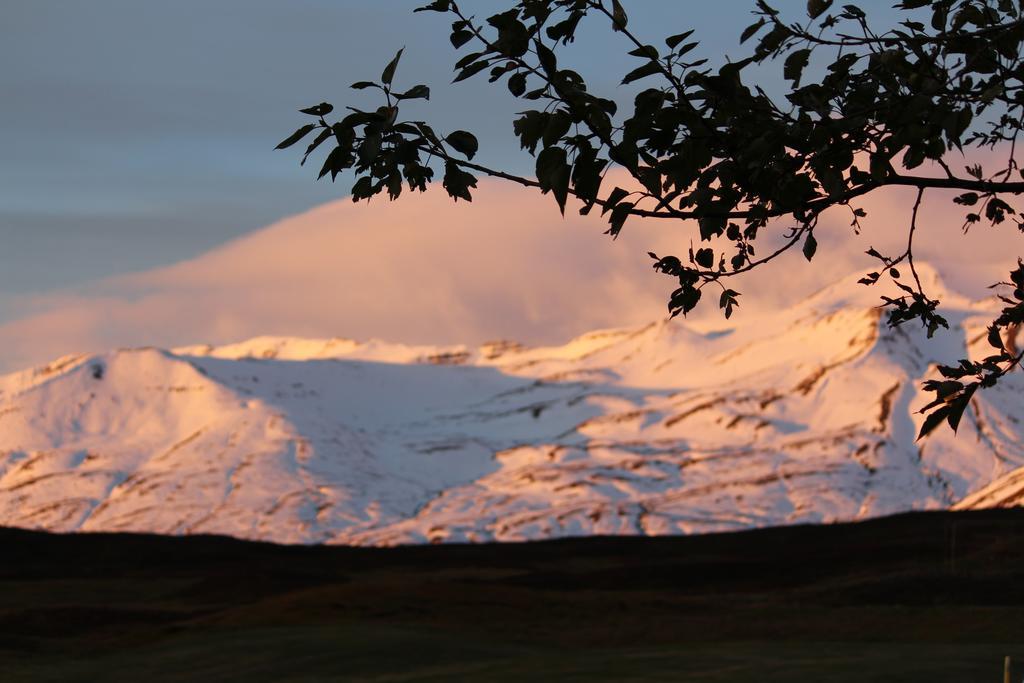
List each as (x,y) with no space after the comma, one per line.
(141,132)
(142,202)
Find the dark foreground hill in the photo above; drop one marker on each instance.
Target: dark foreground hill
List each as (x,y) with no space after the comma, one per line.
(918,597)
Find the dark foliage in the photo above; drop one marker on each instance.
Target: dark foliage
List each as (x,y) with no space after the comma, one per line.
(705,145)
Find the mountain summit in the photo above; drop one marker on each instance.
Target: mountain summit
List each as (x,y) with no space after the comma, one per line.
(807,415)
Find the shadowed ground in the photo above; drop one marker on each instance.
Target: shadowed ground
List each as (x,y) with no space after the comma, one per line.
(919,597)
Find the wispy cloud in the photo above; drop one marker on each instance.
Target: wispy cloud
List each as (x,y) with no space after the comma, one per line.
(426,270)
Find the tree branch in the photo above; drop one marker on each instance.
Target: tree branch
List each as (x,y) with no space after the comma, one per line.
(815,206)
(910,240)
(920,182)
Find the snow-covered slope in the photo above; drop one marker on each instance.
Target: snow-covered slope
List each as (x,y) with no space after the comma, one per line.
(801,415)
(1005,492)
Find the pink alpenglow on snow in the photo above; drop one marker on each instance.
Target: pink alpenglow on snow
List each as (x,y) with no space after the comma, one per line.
(808,414)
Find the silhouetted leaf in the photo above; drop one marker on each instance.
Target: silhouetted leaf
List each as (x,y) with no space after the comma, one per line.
(648,69)
(995,339)
(619,18)
(416,92)
(674,40)
(458,182)
(389,70)
(547,59)
(321,109)
(296,136)
(727,301)
(933,420)
(517,84)
(334,163)
(810,246)
(959,406)
(324,134)
(646,51)
(460,37)
(470,70)
(464,142)
(553,174)
(815,8)
(795,64)
(436,6)
(620,212)
(614,197)
(558,124)
(684,300)
(751,30)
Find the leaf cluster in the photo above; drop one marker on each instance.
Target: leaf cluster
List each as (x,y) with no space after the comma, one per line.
(385,153)
(959,383)
(863,109)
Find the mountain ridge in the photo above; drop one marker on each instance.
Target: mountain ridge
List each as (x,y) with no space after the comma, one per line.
(807,414)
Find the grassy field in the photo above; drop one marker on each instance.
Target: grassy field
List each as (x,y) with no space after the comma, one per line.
(924,597)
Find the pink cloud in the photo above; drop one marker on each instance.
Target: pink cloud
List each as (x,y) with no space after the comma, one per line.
(426,270)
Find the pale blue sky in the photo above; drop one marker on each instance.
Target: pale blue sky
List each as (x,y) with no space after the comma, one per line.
(141,132)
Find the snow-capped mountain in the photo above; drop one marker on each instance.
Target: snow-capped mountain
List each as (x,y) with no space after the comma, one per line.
(800,415)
